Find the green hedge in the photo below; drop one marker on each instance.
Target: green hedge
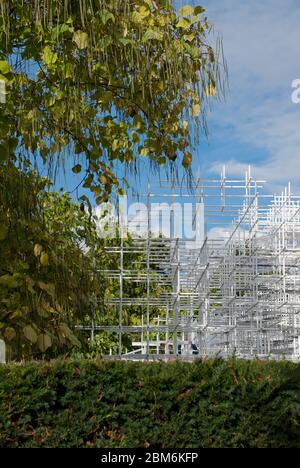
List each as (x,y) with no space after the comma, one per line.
(210,403)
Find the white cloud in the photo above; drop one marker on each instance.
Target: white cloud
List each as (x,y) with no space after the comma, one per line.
(218,233)
(261,42)
(223,233)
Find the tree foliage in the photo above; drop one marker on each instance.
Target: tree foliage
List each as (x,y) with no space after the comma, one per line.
(106,84)
(45,271)
(52,269)
(109,81)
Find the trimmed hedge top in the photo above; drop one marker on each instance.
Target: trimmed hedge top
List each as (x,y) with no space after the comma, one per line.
(210,403)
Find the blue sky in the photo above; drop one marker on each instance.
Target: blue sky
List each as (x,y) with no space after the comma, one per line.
(258,124)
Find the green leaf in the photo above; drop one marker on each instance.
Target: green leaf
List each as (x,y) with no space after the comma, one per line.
(183,23)
(185,124)
(61,29)
(106,16)
(4,67)
(187,10)
(161,160)
(81,39)
(144,151)
(125,41)
(120,192)
(192,50)
(37,250)
(144,11)
(187,160)
(44,342)
(49,57)
(68,70)
(76,169)
(30,334)
(210,90)
(66,333)
(103,179)
(195,111)
(115,145)
(137,17)
(152,34)
(44,259)
(198,10)
(88,181)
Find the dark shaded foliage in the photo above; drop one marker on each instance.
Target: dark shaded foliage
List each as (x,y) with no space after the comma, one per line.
(210,403)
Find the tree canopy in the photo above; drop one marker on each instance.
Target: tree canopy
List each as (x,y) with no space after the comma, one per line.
(46,281)
(52,269)
(105,82)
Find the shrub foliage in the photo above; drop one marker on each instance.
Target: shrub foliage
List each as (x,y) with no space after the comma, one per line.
(211,403)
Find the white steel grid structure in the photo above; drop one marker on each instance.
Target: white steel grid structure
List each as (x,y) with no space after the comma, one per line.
(238,294)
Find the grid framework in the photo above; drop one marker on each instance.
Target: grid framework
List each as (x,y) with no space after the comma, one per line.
(232,291)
